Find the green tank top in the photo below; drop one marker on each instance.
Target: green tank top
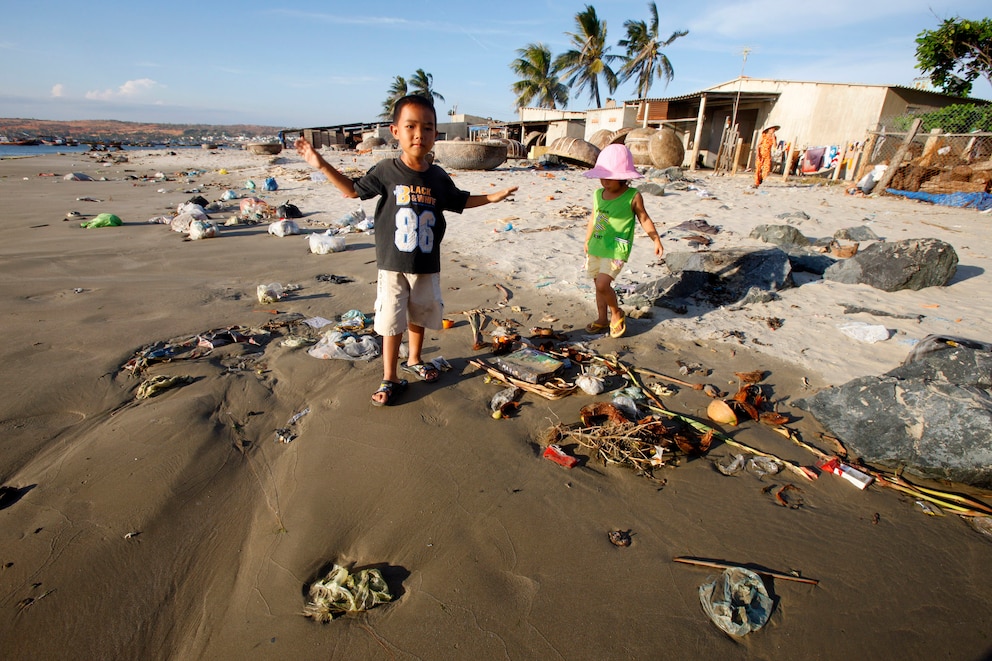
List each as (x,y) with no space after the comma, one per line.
(613,231)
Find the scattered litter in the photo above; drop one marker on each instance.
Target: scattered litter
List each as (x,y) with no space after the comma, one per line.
(103,220)
(736,601)
(345,346)
(870,333)
(317,322)
(734,467)
(270,293)
(325,242)
(929,508)
(284,227)
(555,453)
(160,383)
(202,229)
(341,592)
(504,401)
(619,537)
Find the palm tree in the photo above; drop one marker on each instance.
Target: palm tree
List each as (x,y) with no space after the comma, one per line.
(396,92)
(422,84)
(538,78)
(644,59)
(589,59)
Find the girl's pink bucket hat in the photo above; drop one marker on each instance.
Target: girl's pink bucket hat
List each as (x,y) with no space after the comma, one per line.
(614,162)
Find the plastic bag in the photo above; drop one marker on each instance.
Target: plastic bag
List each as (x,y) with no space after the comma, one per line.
(103,220)
(284,228)
(345,346)
(870,333)
(589,384)
(323,243)
(202,229)
(353,218)
(288,211)
(736,601)
(229,195)
(270,293)
(270,184)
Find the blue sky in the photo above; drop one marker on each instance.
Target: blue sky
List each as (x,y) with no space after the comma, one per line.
(297,64)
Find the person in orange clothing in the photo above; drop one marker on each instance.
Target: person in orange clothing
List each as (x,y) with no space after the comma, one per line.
(763,166)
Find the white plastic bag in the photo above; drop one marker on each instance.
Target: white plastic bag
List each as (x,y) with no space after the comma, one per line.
(284,228)
(870,333)
(336,344)
(323,243)
(202,229)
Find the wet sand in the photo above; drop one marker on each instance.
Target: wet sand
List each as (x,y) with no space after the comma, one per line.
(177,527)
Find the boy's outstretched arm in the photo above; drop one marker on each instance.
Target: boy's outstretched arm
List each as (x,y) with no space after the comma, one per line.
(498,196)
(316,161)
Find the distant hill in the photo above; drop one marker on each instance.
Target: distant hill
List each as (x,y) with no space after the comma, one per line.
(109,130)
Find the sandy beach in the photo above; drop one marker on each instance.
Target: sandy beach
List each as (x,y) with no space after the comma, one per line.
(177,527)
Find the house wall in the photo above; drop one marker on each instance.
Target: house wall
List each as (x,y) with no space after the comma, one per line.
(610,119)
(816,114)
(565,129)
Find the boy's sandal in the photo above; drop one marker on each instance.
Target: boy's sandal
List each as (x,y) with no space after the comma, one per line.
(596,327)
(618,327)
(424,371)
(392,389)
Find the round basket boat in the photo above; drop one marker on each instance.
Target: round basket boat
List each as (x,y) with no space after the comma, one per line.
(463,155)
(370,143)
(265,148)
(666,149)
(638,142)
(573,150)
(383,153)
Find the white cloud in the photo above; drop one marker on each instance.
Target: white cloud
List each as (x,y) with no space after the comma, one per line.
(57,89)
(129,90)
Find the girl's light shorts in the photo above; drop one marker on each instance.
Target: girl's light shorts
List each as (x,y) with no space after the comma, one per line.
(596,265)
(407,298)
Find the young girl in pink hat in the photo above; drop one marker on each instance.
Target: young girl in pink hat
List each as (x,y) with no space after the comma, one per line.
(611,233)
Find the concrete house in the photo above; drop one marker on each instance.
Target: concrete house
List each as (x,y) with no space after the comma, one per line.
(810,113)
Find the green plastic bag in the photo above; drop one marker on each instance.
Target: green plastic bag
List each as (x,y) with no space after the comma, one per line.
(103,220)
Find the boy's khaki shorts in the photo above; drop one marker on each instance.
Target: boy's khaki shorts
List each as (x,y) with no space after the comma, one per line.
(407,298)
(596,265)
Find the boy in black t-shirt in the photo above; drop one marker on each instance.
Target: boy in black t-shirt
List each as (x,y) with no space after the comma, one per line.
(409,225)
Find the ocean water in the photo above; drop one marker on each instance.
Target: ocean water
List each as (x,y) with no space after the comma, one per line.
(14,151)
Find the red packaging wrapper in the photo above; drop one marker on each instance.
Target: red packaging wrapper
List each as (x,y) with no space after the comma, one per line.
(557,455)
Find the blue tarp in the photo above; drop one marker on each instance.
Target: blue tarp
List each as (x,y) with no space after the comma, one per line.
(980,201)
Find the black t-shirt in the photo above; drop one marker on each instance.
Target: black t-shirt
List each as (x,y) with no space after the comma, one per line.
(409,217)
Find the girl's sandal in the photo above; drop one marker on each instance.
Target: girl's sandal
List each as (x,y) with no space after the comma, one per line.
(391,389)
(596,327)
(618,327)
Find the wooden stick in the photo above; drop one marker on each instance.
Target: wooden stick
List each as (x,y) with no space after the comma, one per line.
(702,562)
(658,375)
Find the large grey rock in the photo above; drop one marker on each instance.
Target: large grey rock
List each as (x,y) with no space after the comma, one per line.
(719,277)
(909,264)
(932,416)
(859,233)
(780,235)
(811,261)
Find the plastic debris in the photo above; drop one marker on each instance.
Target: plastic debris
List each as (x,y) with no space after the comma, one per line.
(341,592)
(270,293)
(159,384)
(736,601)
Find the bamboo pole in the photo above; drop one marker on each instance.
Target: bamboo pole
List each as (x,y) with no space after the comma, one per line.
(840,161)
(787,165)
(702,562)
(737,155)
(866,156)
(699,133)
(752,154)
(890,171)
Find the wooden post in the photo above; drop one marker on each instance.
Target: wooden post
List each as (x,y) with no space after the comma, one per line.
(866,158)
(890,171)
(752,153)
(840,162)
(787,166)
(737,155)
(700,116)
(855,164)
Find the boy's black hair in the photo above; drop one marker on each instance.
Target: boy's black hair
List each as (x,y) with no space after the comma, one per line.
(414,99)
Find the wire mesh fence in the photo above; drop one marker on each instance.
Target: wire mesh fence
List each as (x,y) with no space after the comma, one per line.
(934,159)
